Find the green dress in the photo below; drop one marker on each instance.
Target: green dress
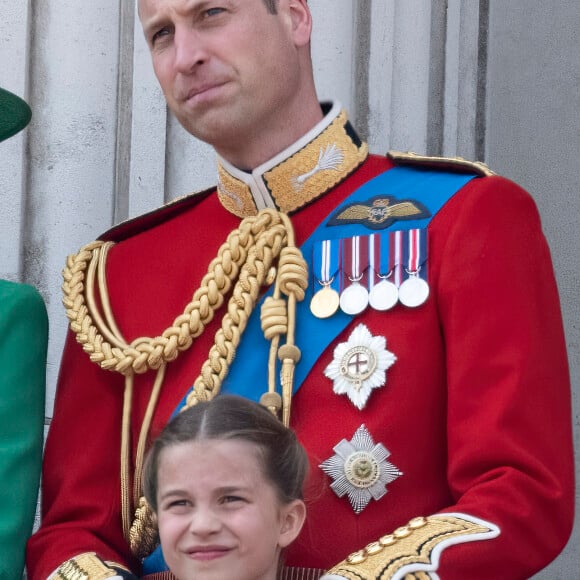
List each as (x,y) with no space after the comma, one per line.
(23,344)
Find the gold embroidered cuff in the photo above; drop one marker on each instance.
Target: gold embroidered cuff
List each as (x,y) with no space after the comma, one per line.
(86,566)
(412,551)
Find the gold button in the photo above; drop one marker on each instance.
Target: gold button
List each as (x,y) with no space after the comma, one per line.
(357,558)
(373,549)
(387,540)
(403,532)
(417,523)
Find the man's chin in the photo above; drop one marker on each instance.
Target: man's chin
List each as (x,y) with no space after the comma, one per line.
(215,129)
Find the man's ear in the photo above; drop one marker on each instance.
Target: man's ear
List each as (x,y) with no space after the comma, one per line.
(301,21)
(291,522)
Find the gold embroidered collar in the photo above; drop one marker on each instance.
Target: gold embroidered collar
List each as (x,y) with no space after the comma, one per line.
(301,173)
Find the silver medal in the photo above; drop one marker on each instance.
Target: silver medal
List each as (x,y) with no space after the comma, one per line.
(383,295)
(414,291)
(354,299)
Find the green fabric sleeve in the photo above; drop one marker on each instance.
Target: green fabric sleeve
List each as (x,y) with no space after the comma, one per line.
(23,345)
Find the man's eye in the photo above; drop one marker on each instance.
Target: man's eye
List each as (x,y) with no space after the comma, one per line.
(159,35)
(214,11)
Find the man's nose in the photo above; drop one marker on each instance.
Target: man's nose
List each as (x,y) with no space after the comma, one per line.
(190,50)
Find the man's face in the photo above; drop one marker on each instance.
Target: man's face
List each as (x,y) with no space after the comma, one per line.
(229,69)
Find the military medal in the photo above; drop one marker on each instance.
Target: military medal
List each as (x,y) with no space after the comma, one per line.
(360,470)
(414,291)
(326,301)
(359,365)
(354,298)
(384,293)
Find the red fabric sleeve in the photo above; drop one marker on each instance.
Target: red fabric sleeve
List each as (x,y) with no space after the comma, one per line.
(509,444)
(80,486)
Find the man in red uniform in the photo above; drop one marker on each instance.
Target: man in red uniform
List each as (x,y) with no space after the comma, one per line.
(418,330)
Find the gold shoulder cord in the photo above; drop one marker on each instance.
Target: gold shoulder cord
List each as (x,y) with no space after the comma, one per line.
(246,260)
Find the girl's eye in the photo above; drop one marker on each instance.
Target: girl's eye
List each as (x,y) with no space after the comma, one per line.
(232,499)
(176,504)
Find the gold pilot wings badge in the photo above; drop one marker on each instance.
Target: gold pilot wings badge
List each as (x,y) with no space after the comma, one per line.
(379,212)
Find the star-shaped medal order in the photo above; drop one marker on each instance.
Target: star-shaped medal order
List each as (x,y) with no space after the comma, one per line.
(359,365)
(360,469)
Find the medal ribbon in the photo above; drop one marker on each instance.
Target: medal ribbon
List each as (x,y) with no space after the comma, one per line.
(325,263)
(354,260)
(381,258)
(399,269)
(416,253)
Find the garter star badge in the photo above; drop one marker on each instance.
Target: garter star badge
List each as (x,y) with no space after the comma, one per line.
(360,469)
(359,365)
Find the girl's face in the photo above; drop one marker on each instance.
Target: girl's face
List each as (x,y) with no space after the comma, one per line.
(218,516)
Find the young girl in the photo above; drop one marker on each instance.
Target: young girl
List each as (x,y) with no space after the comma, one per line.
(225,481)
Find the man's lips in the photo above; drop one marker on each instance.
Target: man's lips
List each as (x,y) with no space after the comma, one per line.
(200,92)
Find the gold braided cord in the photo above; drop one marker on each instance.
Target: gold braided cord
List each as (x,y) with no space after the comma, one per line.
(246,258)
(253,275)
(106,348)
(274,319)
(115,334)
(110,330)
(98,266)
(280,319)
(293,285)
(126,455)
(142,443)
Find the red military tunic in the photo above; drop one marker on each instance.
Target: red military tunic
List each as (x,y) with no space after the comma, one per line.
(475,412)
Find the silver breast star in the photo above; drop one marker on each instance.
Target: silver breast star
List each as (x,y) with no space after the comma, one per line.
(360,365)
(360,469)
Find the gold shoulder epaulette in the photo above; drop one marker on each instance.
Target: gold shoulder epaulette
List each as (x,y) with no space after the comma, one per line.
(457,164)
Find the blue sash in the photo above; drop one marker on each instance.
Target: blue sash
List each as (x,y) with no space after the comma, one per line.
(248,374)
